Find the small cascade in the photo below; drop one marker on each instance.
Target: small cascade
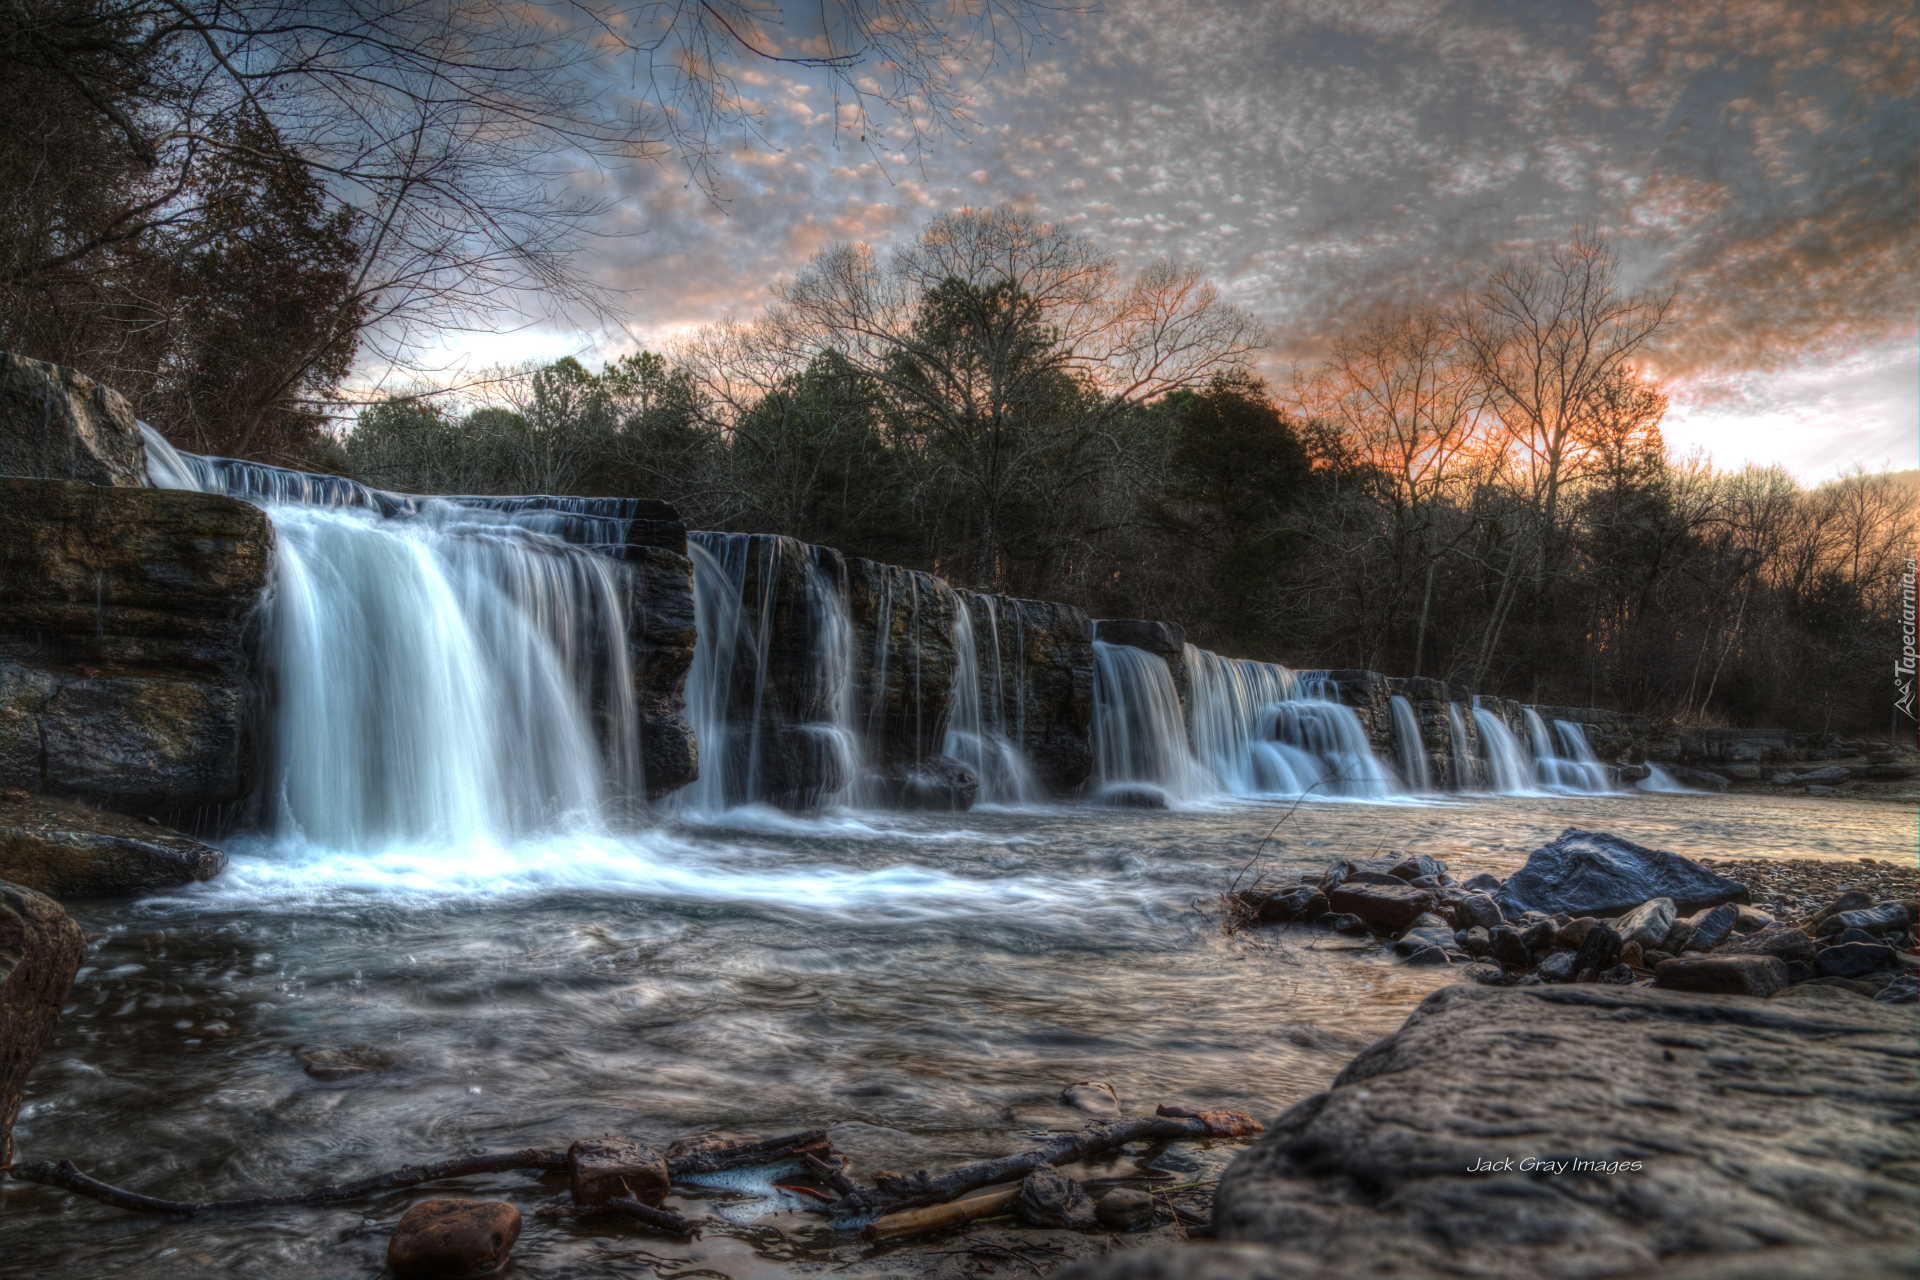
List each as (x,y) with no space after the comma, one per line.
(1466,763)
(1505,763)
(1564,772)
(1227,716)
(1139,735)
(1409,750)
(1332,736)
(767,692)
(976,729)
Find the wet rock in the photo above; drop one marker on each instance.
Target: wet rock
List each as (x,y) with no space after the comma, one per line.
(1418,866)
(40,951)
(1483,883)
(342,1064)
(1558,967)
(69,851)
(1044,686)
(1340,922)
(1620,975)
(1593,873)
(1888,917)
(1752,975)
(1303,903)
(1800,971)
(1850,900)
(1417,940)
(1782,941)
(1479,909)
(662,632)
(1049,1198)
(1509,949)
(1904,989)
(1125,1209)
(1344,1181)
(59,424)
(938,784)
(1095,1097)
(1649,923)
(1750,919)
(1851,935)
(453,1239)
(1382,906)
(1540,937)
(1599,950)
(613,1166)
(1130,795)
(1632,956)
(1428,955)
(1851,959)
(1708,929)
(1475,941)
(1487,975)
(1574,932)
(1892,772)
(1363,875)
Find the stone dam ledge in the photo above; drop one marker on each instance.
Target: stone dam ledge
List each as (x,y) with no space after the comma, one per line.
(1671,1135)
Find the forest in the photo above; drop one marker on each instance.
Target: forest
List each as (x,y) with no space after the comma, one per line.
(1474,489)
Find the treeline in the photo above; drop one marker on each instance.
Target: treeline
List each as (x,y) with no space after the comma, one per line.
(1478,493)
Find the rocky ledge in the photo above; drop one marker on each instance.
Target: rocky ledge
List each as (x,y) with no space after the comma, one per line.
(68,851)
(1587,1131)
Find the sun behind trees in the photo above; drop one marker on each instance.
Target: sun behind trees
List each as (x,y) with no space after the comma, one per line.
(1478,493)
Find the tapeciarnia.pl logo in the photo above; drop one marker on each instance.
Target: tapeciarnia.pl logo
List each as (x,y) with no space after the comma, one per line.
(1904,667)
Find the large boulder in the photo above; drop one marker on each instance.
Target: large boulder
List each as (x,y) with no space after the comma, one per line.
(1591,873)
(56,424)
(67,851)
(1654,1110)
(40,951)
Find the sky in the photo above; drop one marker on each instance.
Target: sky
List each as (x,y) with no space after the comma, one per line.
(1322,161)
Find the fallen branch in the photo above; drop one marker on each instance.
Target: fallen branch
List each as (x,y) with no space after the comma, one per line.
(67,1177)
(831,1174)
(659,1219)
(918,1222)
(739,1155)
(902,1190)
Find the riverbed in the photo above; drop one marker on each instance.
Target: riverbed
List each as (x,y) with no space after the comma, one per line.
(925,983)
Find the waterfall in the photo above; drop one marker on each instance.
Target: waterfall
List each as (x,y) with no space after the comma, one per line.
(1507,768)
(1138,732)
(1408,746)
(1569,772)
(1660,781)
(1466,765)
(1333,735)
(771,729)
(440,671)
(1228,699)
(976,737)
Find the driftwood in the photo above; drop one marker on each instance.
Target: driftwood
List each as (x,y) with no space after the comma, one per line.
(69,1178)
(905,1191)
(918,1222)
(738,1155)
(659,1219)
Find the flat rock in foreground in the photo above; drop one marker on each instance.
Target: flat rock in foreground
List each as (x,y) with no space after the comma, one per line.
(1756,1124)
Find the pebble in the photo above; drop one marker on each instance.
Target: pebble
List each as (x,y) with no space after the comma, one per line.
(1125,1209)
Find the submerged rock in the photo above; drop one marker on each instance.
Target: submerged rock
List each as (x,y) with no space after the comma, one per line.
(938,784)
(1130,795)
(611,1166)
(1095,1097)
(69,851)
(450,1239)
(1587,873)
(40,951)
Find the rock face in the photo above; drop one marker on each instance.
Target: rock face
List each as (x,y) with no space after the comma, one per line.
(1046,688)
(453,1239)
(1588,873)
(662,631)
(126,660)
(67,851)
(1167,639)
(903,661)
(40,951)
(1375,1176)
(938,784)
(56,424)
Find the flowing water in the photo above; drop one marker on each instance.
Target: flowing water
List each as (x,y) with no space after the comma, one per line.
(925,983)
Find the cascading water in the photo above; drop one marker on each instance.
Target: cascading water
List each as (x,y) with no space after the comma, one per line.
(445,677)
(1661,782)
(1331,734)
(1139,735)
(1410,751)
(1466,763)
(976,736)
(783,737)
(1568,772)
(1228,701)
(1508,770)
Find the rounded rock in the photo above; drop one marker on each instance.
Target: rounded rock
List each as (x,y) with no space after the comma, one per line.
(1125,1209)
(452,1239)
